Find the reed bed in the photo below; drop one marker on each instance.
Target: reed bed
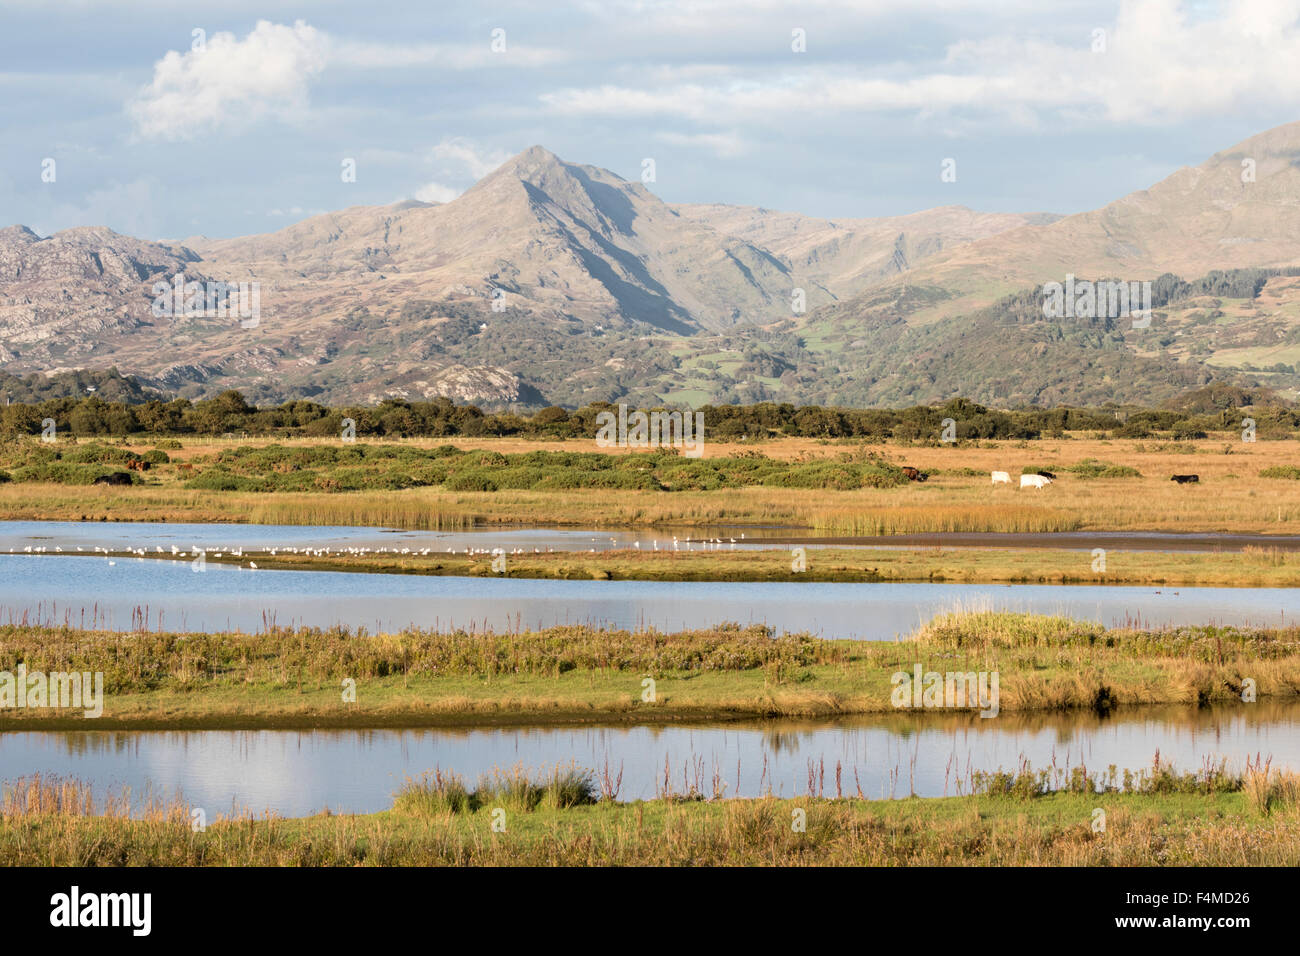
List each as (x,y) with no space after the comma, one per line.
(281,675)
(1164,818)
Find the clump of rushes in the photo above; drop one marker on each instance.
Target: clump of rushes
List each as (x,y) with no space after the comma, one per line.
(1268,790)
(438,792)
(434,793)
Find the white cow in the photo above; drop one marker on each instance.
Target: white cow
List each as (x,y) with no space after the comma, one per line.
(1001,478)
(1034,481)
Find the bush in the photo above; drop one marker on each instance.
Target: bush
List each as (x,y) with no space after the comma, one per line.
(1281,471)
(1091,468)
(473,480)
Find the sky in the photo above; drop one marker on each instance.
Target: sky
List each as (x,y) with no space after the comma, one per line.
(167,120)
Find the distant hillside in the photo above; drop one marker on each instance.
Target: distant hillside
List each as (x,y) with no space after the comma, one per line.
(553,283)
(110,386)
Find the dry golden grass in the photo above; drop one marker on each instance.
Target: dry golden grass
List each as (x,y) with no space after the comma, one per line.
(1231,496)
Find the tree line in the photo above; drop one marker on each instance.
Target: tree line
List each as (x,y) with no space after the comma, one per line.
(1215,408)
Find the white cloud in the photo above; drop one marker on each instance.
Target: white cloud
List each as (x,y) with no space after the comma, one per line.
(457,159)
(1162,62)
(463,56)
(722,145)
(436,192)
(460,152)
(231,82)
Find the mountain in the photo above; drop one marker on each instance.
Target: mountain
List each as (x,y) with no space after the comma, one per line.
(849,255)
(550,282)
(562,237)
(544,282)
(1196,220)
(969,320)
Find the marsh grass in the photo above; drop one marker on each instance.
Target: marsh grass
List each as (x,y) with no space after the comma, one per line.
(794,482)
(283,675)
(1161,817)
(1268,790)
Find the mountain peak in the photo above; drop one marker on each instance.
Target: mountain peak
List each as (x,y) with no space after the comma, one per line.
(532,164)
(537,154)
(18,232)
(1280,142)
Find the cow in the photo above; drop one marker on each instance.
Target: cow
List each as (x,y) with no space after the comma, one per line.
(1046,474)
(116,478)
(1034,481)
(138,464)
(1186,479)
(1001,478)
(914,475)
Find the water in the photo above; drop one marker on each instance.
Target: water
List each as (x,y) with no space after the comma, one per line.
(80,591)
(68,535)
(300,772)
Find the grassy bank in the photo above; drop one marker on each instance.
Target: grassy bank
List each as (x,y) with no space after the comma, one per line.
(573,674)
(1259,567)
(1164,818)
(844,488)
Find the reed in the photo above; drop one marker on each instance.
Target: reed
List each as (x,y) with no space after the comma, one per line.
(1165,818)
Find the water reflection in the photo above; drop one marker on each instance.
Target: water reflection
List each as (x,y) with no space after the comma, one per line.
(117,593)
(300,772)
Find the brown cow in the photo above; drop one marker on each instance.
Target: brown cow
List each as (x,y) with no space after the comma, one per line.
(138,464)
(914,475)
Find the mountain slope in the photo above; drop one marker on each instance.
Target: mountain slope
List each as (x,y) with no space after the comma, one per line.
(849,255)
(1194,221)
(540,283)
(553,282)
(555,234)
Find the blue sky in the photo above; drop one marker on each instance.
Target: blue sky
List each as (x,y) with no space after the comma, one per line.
(160,132)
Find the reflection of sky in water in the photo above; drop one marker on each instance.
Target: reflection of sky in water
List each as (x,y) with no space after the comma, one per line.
(89,535)
(69,535)
(295,772)
(58,589)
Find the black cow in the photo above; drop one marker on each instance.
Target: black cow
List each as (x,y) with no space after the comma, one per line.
(1186,479)
(116,478)
(1046,474)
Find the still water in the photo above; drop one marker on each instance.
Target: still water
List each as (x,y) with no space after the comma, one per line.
(301,772)
(69,535)
(107,592)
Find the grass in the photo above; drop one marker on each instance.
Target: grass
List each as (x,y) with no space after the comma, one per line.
(1255,566)
(1163,818)
(1232,495)
(573,674)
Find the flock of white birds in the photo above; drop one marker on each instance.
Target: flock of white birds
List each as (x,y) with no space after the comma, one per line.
(705,544)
